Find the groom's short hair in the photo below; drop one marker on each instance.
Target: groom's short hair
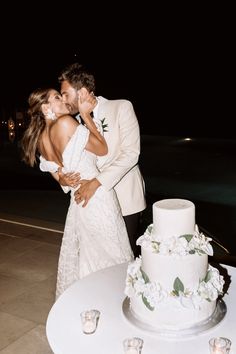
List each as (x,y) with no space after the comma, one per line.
(77,77)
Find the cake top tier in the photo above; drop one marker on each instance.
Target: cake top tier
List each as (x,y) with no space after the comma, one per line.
(174,204)
(174,231)
(173,217)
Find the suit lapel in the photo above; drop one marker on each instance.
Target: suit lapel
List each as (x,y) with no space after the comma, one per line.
(102,114)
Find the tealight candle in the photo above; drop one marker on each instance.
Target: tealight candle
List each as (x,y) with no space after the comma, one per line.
(89,326)
(219,345)
(89,320)
(131,351)
(133,345)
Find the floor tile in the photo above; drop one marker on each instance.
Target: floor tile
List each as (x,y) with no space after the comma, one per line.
(35,265)
(14,247)
(33,342)
(12,328)
(45,289)
(11,287)
(39,232)
(30,306)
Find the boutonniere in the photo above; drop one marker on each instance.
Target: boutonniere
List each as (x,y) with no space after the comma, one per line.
(104,125)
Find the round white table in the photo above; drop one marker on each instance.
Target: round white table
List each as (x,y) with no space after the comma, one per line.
(104,291)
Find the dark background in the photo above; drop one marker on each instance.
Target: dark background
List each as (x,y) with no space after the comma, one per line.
(177,67)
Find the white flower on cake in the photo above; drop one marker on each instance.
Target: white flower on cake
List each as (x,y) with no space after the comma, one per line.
(179,246)
(212,285)
(139,286)
(208,291)
(174,245)
(134,279)
(153,295)
(134,267)
(191,301)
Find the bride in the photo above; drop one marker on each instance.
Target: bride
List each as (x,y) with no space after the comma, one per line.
(94,236)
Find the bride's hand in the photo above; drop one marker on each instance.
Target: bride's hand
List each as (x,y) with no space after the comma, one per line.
(70,179)
(86,105)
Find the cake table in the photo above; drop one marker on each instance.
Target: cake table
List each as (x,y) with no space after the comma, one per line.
(104,291)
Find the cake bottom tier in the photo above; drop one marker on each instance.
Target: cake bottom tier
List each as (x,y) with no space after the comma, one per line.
(170,317)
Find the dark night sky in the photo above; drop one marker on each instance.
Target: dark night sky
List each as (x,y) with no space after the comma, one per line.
(177,74)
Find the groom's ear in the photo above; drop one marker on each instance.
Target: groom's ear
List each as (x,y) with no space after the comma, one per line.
(83,93)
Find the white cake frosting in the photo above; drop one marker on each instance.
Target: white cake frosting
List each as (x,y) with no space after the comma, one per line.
(171,286)
(173,217)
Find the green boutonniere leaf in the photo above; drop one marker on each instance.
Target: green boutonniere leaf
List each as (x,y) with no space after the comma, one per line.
(104,125)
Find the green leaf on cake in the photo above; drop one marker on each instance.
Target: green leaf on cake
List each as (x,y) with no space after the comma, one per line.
(146,303)
(178,287)
(208,276)
(200,251)
(187,237)
(145,277)
(149,229)
(156,246)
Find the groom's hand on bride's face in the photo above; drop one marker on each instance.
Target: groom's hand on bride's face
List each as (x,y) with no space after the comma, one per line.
(86,191)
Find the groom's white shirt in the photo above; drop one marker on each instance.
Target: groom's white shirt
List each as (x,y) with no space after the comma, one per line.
(119,168)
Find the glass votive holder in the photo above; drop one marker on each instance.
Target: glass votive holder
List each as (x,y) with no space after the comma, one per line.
(219,345)
(89,320)
(133,345)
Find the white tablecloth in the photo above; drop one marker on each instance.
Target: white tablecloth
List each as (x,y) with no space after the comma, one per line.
(104,290)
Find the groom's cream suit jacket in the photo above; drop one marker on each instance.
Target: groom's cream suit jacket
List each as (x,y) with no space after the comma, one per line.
(119,168)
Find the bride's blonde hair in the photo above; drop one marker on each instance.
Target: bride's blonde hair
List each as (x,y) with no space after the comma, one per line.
(29,142)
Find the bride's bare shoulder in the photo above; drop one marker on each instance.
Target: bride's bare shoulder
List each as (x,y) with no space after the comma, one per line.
(66,122)
(67,119)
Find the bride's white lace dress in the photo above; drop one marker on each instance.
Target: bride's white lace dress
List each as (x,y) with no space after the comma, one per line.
(95,236)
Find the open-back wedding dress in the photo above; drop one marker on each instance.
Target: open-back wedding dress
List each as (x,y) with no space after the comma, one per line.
(95,236)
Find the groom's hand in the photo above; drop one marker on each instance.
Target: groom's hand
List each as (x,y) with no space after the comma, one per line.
(86,190)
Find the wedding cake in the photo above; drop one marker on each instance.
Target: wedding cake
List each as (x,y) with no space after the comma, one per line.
(171,286)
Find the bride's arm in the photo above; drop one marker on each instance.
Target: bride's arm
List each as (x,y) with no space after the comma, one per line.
(70,179)
(60,134)
(96,142)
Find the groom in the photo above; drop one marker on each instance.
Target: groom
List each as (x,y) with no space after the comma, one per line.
(119,168)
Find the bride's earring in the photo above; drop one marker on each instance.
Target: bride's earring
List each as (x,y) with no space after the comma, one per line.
(50,114)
